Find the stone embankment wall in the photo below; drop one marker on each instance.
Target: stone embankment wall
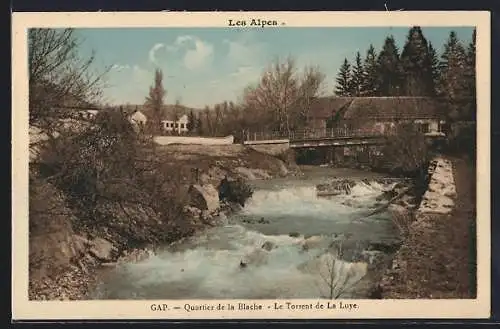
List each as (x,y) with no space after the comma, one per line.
(441,192)
(437,203)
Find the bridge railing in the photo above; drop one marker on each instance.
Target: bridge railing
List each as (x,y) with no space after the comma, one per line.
(309,134)
(255,136)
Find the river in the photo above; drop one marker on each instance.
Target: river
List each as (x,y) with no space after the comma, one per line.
(286,243)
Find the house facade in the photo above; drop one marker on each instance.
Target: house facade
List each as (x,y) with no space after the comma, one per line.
(179,126)
(138,118)
(380,114)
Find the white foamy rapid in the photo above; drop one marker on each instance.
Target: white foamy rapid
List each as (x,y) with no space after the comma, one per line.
(304,202)
(231,262)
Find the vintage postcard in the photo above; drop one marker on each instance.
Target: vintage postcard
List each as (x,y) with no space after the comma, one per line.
(251,165)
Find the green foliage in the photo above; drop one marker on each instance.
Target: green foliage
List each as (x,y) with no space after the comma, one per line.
(389,69)
(356,85)
(416,64)
(370,84)
(407,153)
(343,87)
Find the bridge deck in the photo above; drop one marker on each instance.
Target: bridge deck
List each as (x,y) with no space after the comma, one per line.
(321,137)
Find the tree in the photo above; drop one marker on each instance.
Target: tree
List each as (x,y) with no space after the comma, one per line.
(389,69)
(218,119)
(356,86)
(343,86)
(453,78)
(191,125)
(59,77)
(276,101)
(155,100)
(470,76)
(199,125)
(310,86)
(370,79)
(416,65)
(208,121)
(433,58)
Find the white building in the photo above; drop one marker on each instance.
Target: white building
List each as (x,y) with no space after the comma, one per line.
(138,118)
(180,126)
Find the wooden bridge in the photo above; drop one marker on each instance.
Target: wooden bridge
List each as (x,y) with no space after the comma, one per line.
(319,137)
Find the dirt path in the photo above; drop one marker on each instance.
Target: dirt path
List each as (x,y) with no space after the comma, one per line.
(438,259)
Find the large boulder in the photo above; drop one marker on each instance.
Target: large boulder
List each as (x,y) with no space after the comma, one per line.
(204,197)
(336,187)
(103,250)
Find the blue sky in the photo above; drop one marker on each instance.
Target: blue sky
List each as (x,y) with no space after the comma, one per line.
(204,66)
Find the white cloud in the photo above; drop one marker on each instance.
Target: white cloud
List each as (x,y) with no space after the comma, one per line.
(198,53)
(153,50)
(244,51)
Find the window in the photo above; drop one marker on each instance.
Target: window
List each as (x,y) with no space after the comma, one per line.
(182,126)
(176,125)
(424,128)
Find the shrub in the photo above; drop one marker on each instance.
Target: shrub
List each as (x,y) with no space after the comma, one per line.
(237,191)
(407,153)
(111,176)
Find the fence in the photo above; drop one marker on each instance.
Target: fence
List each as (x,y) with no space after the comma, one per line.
(309,134)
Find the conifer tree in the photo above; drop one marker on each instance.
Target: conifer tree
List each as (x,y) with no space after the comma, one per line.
(369,84)
(416,65)
(453,83)
(470,76)
(433,58)
(389,69)
(343,86)
(357,76)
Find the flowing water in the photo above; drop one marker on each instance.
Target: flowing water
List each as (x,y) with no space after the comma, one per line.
(302,234)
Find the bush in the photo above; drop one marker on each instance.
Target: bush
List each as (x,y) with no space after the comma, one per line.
(237,191)
(462,139)
(111,177)
(406,154)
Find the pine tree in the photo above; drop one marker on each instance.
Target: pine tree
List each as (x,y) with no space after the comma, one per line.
(191,124)
(389,69)
(155,100)
(453,83)
(356,86)
(343,86)
(471,79)
(369,85)
(416,65)
(433,58)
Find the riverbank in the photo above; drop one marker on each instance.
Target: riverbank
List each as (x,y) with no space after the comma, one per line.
(437,257)
(65,254)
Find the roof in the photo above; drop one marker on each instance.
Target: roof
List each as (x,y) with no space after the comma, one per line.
(326,107)
(380,108)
